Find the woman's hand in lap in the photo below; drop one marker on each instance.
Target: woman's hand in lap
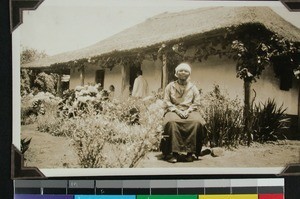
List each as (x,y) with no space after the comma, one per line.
(182,114)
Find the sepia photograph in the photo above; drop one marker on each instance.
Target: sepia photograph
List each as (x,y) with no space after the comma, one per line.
(157,87)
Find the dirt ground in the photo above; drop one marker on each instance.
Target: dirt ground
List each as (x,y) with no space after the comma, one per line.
(47,151)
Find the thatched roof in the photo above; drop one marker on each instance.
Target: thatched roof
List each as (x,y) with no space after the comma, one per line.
(168,27)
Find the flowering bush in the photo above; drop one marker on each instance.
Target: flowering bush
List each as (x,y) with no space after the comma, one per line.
(108,140)
(46,82)
(48,121)
(106,133)
(117,134)
(33,106)
(82,100)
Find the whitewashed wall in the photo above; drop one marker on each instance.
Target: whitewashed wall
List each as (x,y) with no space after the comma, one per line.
(223,72)
(205,74)
(89,76)
(268,87)
(113,77)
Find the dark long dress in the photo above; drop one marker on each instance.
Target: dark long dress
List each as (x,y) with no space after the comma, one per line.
(182,135)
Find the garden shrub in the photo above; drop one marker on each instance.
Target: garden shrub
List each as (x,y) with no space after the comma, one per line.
(33,106)
(117,134)
(106,133)
(269,119)
(48,122)
(25,143)
(107,140)
(26,79)
(46,82)
(89,136)
(26,106)
(82,100)
(224,119)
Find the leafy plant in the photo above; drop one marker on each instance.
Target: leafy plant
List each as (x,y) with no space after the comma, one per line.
(31,54)
(26,81)
(107,140)
(33,106)
(25,142)
(255,48)
(49,122)
(224,119)
(269,119)
(46,82)
(118,134)
(82,100)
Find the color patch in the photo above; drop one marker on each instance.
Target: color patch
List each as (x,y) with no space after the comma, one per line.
(54,191)
(136,187)
(217,183)
(270,190)
(27,183)
(81,184)
(217,190)
(244,183)
(163,183)
(166,197)
(81,191)
(136,184)
(109,183)
(214,197)
(164,191)
(270,182)
(244,190)
(190,183)
(109,187)
(137,191)
(104,197)
(191,191)
(190,187)
(81,187)
(34,196)
(54,186)
(237,196)
(270,196)
(54,183)
(244,196)
(109,191)
(27,190)
(27,187)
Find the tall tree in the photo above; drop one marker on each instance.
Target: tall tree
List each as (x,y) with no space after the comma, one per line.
(27,76)
(30,54)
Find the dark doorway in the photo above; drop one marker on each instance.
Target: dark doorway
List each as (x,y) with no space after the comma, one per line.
(133,71)
(99,79)
(65,82)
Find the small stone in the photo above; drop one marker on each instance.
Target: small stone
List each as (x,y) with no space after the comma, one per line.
(217,152)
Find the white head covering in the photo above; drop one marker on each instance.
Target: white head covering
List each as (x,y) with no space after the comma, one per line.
(183,66)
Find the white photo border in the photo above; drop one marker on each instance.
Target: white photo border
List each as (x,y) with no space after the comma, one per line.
(72,172)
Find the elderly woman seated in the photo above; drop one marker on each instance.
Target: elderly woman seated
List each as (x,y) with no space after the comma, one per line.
(183,124)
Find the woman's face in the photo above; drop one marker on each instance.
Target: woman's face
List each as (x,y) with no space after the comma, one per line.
(183,74)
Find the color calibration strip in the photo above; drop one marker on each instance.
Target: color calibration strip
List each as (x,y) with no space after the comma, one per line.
(268,188)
